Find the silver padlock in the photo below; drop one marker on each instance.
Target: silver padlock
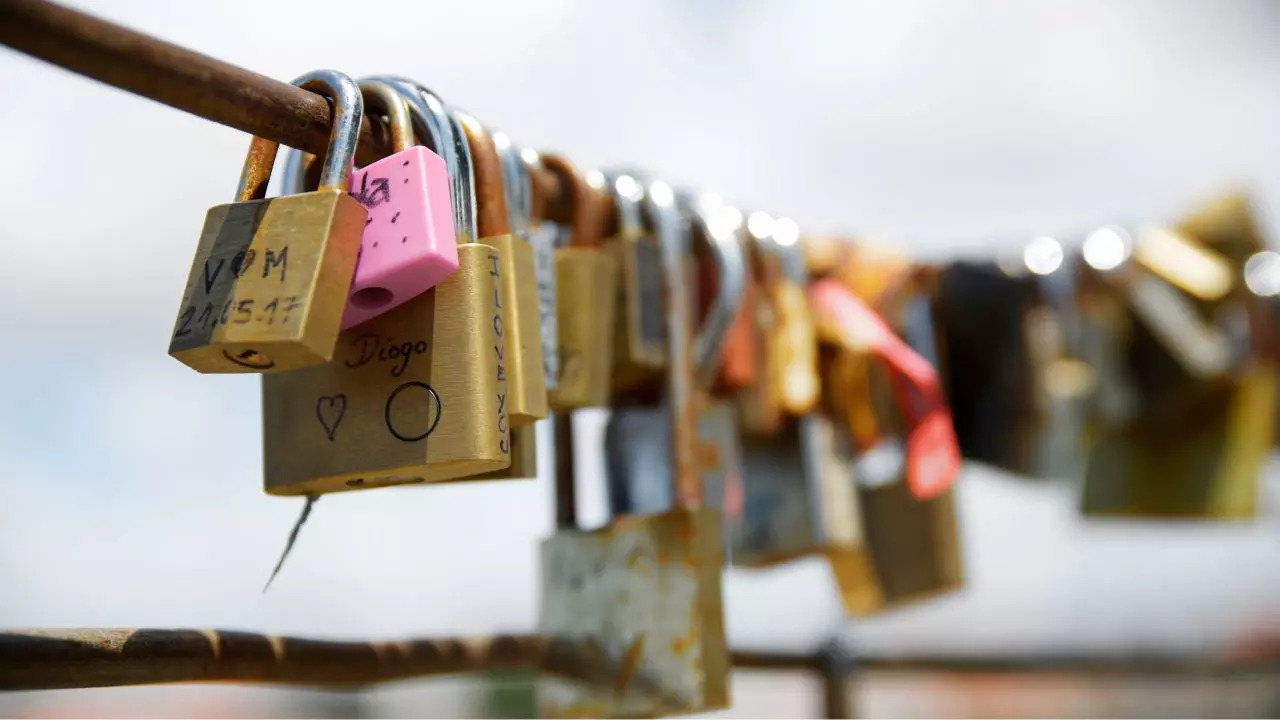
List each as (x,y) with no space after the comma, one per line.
(637,438)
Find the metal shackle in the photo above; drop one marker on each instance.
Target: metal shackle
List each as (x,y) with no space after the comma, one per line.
(344,96)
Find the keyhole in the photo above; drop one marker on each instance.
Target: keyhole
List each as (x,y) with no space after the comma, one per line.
(372,297)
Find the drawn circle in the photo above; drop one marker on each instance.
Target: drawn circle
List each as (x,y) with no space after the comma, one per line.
(371,297)
(432,398)
(251,359)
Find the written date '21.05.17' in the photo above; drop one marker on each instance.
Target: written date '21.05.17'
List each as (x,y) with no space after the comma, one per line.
(241,312)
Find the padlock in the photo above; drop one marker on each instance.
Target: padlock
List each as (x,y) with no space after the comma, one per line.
(409,244)
(637,605)
(524,333)
(905,480)
(586,297)
(543,237)
(270,277)
(640,334)
(788,384)
(526,400)
(1192,437)
(980,310)
(638,438)
(914,543)
(740,357)
(414,395)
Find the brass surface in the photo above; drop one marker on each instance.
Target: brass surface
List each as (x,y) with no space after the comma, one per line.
(269,283)
(524,457)
(915,544)
(854,571)
(644,597)
(417,394)
(526,381)
(794,345)
(586,308)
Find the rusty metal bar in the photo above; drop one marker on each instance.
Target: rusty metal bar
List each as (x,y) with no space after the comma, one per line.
(192,82)
(54,659)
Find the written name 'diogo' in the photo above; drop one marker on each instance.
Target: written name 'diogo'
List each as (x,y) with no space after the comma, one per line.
(414,395)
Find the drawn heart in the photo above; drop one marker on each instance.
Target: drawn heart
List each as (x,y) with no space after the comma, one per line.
(329,411)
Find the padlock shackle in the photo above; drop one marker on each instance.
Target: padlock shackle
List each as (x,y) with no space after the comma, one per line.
(517,184)
(626,187)
(348,112)
(724,238)
(450,142)
(380,95)
(672,230)
(588,205)
(491,202)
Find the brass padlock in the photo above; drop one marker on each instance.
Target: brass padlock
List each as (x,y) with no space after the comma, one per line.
(414,395)
(914,543)
(789,384)
(526,400)
(527,310)
(635,608)
(1191,438)
(586,297)
(640,335)
(270,278)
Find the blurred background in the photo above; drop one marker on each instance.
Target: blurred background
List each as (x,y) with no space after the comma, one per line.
(132,490)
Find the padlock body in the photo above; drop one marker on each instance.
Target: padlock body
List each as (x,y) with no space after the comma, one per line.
(793,369)
(408,244)
(522,330)
(915,544)
(269,282)
(415,395)
(524,456)
(586,306)
(798,496)
(640,338)
(637,444)
(636,606)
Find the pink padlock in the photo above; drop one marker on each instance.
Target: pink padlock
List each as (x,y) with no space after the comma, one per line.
(409,245)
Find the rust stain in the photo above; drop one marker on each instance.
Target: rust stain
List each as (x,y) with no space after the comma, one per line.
(629,665)
(680,645)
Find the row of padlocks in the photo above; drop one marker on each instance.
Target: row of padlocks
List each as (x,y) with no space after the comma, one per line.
(773,396)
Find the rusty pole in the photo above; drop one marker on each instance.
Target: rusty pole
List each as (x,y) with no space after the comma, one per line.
(195,83)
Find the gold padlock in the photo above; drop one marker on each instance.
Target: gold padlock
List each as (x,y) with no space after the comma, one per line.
(270,278)
(526,385)
(586,297)
(789,384)
(517,196)
(414,395)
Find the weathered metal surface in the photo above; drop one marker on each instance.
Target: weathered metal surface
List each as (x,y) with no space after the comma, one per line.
(642,599)
(51,659)
(198,84)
